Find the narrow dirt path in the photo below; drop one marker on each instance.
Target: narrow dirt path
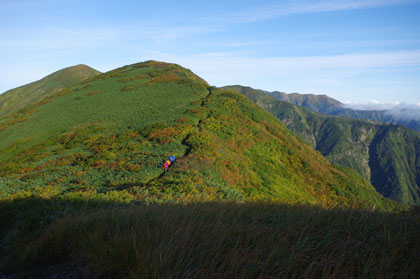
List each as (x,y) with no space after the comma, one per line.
(184,141)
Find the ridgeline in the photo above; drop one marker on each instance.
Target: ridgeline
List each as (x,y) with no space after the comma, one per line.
(113,132)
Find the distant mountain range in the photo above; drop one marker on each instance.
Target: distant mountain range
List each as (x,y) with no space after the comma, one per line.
(321,103)
(386,154)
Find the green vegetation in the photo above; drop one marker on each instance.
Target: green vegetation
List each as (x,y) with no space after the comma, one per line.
(113,140)
(387,155)
(81,179)
(100,100)
(16,99)
(211,240)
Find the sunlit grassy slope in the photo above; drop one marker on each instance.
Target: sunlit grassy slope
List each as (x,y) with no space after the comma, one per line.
(121,99)
(15,99)
(110,136)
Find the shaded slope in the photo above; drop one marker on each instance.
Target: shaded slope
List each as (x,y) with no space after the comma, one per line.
(111,135)
(18,98)
(395,163)
(204,240)
(387,155)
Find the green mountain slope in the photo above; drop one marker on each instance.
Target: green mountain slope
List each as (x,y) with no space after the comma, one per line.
(109,137)
(387,155)
(15,99)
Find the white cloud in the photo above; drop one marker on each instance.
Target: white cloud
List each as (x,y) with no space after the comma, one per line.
(405,112)
(302,7)
(230,68)
(244,44)
(397,110)
(173,33)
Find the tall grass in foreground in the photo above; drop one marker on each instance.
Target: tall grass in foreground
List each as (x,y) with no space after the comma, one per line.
(233,241)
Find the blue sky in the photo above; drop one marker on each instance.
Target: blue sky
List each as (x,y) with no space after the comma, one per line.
(354,50)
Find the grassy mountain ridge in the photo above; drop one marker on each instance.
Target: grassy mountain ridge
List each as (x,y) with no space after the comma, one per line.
(387,155)
(83,193)
(111,134)
(16,99)
(108,100)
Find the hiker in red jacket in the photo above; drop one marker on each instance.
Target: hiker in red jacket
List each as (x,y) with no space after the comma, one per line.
(166,165)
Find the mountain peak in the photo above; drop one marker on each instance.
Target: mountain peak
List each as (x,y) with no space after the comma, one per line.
(20,97)
(155,72)
(314,102)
